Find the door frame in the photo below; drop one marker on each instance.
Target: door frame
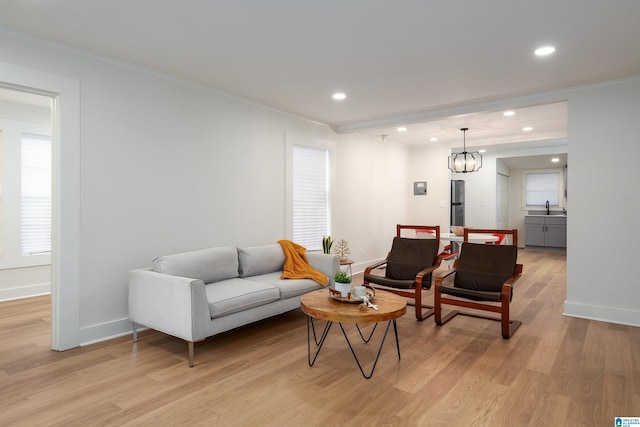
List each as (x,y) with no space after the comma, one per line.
(65,218)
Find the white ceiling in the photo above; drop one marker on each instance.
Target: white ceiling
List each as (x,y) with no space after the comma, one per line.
(392,59)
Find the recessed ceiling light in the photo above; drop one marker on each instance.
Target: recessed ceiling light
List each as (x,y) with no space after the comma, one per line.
(434,139)
(545,50)
(527,128)
(402,129)
(555,160)
(482,151)
(509,113)
(339,96)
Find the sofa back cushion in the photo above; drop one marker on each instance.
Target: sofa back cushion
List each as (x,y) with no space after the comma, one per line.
(208,265)
(256,260)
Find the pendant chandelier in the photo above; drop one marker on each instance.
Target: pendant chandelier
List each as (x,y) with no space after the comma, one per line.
(466,161)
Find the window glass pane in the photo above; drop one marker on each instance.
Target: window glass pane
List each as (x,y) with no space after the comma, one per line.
(36,194)
(541,187)
(310,196)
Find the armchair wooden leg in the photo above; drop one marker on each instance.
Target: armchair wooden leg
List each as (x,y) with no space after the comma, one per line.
(437,306)
(447,317)
(510,328)
(421,315)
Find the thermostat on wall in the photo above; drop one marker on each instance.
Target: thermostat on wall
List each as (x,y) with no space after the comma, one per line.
(420,188)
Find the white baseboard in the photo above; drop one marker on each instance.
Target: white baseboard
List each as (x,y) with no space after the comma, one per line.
(105,331)
(603,314)
(25,291)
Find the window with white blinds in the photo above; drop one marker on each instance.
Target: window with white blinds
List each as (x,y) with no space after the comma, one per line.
(36,194)
(311,220)
(542,186)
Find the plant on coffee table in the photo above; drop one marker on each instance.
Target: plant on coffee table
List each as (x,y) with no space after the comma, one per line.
(342,277)
(343,283)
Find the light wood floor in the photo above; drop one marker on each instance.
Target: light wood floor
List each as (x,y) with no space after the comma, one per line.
(555,371)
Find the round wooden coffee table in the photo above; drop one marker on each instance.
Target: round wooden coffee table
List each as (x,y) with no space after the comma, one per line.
(319,305)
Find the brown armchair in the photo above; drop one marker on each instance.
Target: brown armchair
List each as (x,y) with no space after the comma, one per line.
(483,278)
(408,267)
(447,253)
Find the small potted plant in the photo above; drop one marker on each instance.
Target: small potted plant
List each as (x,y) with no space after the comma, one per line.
(342,249)
(326,244)
(343,283)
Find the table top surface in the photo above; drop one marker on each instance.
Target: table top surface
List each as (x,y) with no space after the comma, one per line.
(473,237)
(320,305)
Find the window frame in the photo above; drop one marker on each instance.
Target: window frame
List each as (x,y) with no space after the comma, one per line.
(290,142)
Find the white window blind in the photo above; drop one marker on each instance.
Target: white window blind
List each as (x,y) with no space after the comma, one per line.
(540,187)
(310,196)
(36,194)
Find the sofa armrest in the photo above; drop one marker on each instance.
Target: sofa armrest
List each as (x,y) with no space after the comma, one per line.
(326,263)
(170,304)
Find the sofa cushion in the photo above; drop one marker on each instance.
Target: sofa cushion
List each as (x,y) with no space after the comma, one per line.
(208,265)
(288,287)
(255,260)
(235,295)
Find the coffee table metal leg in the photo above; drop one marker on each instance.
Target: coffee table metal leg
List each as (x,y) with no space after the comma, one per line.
(395,329)
(366,340)
(319,344)
(373,368)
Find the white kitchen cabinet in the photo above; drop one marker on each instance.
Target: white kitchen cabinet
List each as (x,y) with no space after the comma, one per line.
(543,230)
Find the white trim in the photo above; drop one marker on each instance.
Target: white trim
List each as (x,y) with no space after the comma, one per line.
(106,331)
(25,291)
(65,280)
(602,314)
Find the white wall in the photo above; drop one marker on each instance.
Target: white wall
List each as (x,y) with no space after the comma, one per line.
(370,191)
(429,164)
(604,148)
(168,166)
(516,214)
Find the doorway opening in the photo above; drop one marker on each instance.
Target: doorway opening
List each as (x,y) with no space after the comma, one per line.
(64,95)
(25,194)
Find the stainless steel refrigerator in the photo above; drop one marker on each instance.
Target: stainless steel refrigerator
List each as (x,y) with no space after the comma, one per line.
(457,202)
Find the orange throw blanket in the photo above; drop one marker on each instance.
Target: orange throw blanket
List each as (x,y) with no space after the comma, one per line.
(296,265)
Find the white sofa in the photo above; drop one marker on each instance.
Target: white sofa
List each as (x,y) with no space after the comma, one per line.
(194,295)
